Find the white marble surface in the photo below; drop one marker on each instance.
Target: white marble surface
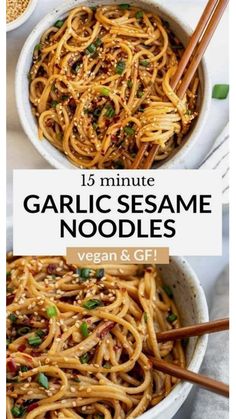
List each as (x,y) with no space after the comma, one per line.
(21,153)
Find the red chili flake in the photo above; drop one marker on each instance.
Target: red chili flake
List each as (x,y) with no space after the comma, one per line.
(52,268)
(22,348)
(108,327)
(10,299)
(11,365)
(32,407)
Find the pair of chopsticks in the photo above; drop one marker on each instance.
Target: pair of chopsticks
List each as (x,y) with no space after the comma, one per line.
(187,68)
(184,374)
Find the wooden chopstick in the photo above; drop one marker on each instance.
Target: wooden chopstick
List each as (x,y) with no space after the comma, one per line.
(194,330)
(208,22)
(184,374)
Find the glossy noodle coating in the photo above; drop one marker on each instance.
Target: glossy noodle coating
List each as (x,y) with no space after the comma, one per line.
(79,339)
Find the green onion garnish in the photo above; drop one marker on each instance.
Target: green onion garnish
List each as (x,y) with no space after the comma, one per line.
(23,330)
(91,49)
(84,329)
(91,304)
(54,103)
(129,131)
(40,333)
(84,359)
(43,380)
(51,311)
(24,368)
(140,93)
(17,411)
(139,14)
(124,6)
(171,318)
(34,340)
(98,42)
(168,291)
(107,365)
(110,112)
(12,317)
(120,67)
(85,273)
(104,91)
(220,91)
(59,23)
(100,273)
(75,67)
(145,317)
(129,84)
(37,47)
(144,63)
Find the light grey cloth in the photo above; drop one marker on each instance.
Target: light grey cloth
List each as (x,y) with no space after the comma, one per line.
(208,405)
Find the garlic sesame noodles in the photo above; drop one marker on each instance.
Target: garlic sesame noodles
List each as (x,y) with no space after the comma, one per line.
(79,339)
(100,86)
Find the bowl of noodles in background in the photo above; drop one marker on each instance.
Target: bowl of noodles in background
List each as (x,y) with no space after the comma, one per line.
(179,287)
(75,119)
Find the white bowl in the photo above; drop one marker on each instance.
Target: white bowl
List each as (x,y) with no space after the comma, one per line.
(191,303)
(23,17)
(50,153)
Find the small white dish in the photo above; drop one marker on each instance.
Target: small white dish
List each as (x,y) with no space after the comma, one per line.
(50,153)
(23,17)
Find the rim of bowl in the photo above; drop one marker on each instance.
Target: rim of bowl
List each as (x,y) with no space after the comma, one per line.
(23,17)
(183,388)
(65,163)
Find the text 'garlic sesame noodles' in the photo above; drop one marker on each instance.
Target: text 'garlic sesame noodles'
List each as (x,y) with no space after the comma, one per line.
(79,339)
(100,86)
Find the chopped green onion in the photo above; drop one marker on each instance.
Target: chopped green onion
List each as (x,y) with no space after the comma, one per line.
(23,330)
(168,291)
(34,340)
(37,47)
(120,67)
(93,8)
(85,273)
(124,6)
(140,93)
(17,411)
(110,112)
(84,359)
(40,333)
(171,318)
(139,14)
(59,23)
(24,368)
(54,103)
(98,42)
(144,63)
(78,271)
(64,98)
(96,112)
(76,66)
(129,131)
(129,84)
(99,273)
(220,91)
(91,304)
(51,311)
(91,49)
(104,91)
(12,317)
(84,329)
(145,317)
(107,365)
(43,380)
